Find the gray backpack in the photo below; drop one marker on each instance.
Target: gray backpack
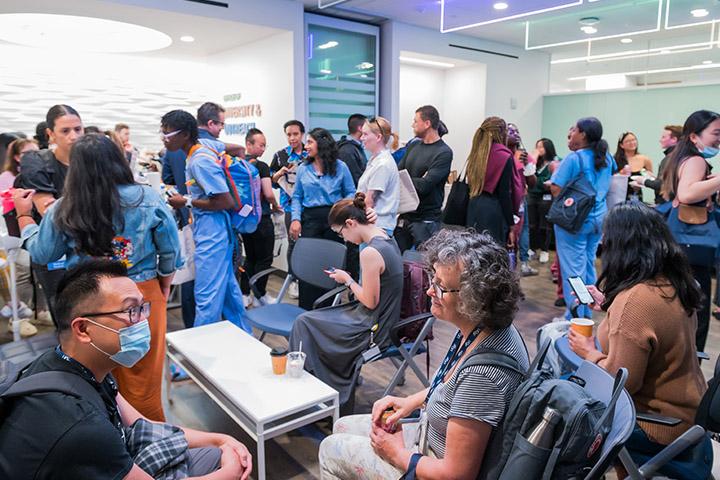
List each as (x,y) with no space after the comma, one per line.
(579,435)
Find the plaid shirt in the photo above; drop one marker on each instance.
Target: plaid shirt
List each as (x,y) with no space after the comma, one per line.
(160,449)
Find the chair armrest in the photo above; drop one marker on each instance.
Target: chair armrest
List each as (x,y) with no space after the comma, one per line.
(258,276)
(703,356)
(657,419)
(395,329)
(328,296)
(685,441)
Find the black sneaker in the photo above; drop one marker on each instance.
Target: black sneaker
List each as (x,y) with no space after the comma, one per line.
(560,302)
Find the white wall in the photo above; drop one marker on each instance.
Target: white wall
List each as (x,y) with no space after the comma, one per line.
(448,90)
(524,78)
(253,71)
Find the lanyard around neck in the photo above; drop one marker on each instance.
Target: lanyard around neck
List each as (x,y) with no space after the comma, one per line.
(452,357)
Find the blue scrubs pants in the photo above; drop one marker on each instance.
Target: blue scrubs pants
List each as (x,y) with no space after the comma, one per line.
(577,259)
(216,288)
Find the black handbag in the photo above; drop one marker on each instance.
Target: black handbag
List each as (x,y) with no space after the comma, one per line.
(455,212)
(573,205)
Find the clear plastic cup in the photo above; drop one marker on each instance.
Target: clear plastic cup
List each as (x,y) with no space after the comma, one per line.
(295,364)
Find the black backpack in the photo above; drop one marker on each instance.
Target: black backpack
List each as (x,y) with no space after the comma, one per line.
(13,387)
(579,435)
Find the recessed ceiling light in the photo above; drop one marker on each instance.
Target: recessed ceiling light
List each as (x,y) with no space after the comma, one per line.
(70,32)
(330,44)
(325,71)
(707,62)
(626,40)
(589,29)
(422,61)
(500,5)
(364,66)
(187,38)
(699,13)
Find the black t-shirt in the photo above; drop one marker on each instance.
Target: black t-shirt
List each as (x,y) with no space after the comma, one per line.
(429,166)
(43,172)
(264,171)
(54,435)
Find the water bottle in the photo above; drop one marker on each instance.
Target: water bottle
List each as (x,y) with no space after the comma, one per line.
(543,435)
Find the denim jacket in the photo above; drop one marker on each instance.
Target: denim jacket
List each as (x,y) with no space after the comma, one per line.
(149,244)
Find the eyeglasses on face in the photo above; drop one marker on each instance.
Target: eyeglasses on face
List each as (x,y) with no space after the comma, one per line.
(134,314)
(339,232)
(439,291)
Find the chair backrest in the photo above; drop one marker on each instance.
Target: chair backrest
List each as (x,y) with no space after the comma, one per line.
(708,412)
(311,256)
(599,384)
(413,256)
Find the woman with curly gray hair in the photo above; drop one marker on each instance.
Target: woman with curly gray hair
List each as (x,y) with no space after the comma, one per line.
(474,289)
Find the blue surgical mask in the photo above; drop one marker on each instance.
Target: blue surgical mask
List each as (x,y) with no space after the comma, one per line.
(709,152)
(134,343)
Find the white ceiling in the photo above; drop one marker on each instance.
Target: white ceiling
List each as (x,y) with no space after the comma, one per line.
(211,35)
(617,19)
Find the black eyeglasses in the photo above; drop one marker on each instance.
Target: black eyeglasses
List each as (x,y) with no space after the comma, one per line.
(440,291)
(375,121)
(339,232)
(135,314)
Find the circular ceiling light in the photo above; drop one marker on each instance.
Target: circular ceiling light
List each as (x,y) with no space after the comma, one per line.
(626,40)
(699,13)
(589,29)
(87,34)
(707,62)
(500,5)
(187,38)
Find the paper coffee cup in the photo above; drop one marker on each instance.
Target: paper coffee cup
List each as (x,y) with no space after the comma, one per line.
(583,326)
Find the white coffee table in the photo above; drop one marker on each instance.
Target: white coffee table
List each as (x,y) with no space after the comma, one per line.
(235,370)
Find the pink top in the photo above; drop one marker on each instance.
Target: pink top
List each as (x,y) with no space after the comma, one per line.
(6,180)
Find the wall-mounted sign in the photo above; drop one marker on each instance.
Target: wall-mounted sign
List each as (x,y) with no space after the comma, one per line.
(232,97)
(244,111)
(238,128)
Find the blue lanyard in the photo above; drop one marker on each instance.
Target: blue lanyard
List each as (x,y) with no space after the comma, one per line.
(452,357)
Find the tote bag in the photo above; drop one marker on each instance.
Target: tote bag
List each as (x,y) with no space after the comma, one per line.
(187,251)
(409,199)
(455,212)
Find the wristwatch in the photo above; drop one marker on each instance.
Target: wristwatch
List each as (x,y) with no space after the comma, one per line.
(188,201)
(349,283)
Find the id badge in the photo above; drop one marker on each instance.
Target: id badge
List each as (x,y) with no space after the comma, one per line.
(59,265)
(547,197)
(371,354)
(245,210)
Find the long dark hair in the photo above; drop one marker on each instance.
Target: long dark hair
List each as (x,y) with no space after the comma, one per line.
(695,123)
(327,151)
(620,157)
(550,152)
(91,211)
(638,247)
(593,130)
(347,209)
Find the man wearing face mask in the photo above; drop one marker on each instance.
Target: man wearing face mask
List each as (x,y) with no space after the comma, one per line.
(102,325)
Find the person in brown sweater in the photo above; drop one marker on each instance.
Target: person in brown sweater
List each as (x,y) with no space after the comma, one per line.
(650,296)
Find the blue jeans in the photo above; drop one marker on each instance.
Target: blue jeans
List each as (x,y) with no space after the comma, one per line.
(524,243)
(577,259)
(693,464)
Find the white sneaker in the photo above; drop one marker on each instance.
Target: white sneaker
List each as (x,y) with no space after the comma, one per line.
(294,290)
(248,300)
(6,311)
(27,329)
(43,317)
(544,257)
(531,254)
(526,270)
(24,311)
(264,300)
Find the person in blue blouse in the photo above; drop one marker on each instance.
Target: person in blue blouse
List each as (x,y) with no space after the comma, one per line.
(321,181)
(104,213)
(577,251)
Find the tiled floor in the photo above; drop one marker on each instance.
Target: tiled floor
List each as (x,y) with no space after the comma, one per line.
(294,455)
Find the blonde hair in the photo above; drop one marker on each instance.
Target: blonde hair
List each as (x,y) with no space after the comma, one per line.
(396,141)
(492,130)
(380,126)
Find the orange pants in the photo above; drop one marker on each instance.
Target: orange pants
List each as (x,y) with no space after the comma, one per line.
(141,385)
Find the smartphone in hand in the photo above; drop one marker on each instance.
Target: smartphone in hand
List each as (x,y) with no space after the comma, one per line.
(581,291)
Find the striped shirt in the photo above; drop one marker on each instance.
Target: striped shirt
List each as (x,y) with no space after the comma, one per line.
(479,392)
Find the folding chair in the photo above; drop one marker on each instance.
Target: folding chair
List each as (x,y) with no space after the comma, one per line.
(402,354)
(310,257)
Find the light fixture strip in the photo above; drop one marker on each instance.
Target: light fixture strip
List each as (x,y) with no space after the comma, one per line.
(502,19)
(650,72)
(322,6)
(422,61)
(684,25)
(572,42)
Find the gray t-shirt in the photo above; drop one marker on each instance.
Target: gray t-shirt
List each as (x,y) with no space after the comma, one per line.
(479,392)
(381,174)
